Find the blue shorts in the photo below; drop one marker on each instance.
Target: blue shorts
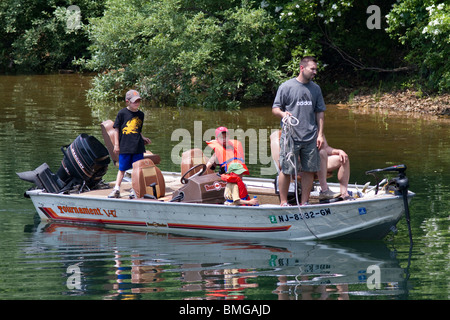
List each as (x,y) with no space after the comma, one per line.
(126,160)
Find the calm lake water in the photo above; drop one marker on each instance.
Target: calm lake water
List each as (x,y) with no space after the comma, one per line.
(39,114)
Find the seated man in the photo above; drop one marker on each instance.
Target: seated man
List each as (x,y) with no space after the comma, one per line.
(330,160)
(226,151)
(236,192)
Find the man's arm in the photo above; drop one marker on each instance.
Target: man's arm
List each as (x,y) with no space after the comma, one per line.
(279,113)
(338,152)
(320,119)
(211,162)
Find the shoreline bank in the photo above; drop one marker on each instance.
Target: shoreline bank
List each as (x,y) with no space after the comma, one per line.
(409,101)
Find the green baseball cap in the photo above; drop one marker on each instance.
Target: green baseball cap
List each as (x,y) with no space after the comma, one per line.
(236,168)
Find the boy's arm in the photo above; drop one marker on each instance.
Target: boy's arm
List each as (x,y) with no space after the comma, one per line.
(146,140)
(116,141)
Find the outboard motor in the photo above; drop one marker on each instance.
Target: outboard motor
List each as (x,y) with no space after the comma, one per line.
(86,159)
(85,162)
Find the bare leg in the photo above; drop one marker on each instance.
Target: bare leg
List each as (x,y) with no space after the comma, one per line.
(307,183)
(115,193)
(119,178)
(343,177)
(283,184)
(334,163)
(322,173)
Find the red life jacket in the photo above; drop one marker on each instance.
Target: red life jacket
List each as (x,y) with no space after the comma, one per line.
(227,156)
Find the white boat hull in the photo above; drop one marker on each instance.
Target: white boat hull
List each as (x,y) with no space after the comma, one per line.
(370,217)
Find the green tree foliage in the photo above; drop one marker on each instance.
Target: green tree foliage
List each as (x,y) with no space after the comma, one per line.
(212,53)
(196,52)
(35,36)
(424,26)
(336,32)
(301,27)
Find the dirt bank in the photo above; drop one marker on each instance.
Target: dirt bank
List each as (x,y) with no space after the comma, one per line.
(405,101)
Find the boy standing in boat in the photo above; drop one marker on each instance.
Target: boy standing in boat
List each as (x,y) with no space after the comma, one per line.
(129,141)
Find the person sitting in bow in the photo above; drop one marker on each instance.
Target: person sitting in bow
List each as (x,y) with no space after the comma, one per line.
(236,192)
(226,151)
(333,159)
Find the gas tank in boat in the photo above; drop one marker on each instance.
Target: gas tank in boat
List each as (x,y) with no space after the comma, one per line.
(208,188)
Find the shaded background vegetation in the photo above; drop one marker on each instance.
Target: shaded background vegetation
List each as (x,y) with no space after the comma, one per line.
(213,53)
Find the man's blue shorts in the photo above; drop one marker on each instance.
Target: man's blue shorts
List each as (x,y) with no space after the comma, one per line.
(126,160)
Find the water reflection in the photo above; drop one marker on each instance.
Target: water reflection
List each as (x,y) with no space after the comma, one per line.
(130,265)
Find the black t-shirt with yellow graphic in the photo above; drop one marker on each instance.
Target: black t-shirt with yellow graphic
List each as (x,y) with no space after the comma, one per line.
(130,124)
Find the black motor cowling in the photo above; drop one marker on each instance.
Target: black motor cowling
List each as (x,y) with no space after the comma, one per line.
(86,159)
(85,162)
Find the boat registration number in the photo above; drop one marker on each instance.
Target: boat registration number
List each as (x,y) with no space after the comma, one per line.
(298,216)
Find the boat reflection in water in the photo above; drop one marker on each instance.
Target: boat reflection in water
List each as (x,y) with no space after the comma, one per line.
(113,264)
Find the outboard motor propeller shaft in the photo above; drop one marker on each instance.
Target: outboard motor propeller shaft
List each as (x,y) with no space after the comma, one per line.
(402,185)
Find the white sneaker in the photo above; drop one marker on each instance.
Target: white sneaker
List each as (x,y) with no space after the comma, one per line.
(114,194)
(328,195)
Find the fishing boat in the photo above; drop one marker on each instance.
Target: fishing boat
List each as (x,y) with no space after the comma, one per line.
(191,202)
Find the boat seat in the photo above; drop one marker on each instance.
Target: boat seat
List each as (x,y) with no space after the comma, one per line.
(108,133)
(275,151)
(147,180)
(192,158)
